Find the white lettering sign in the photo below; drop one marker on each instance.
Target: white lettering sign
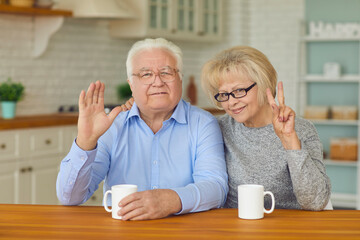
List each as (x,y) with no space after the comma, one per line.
(334,30)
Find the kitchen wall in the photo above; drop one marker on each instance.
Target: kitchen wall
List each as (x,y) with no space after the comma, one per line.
(82,52)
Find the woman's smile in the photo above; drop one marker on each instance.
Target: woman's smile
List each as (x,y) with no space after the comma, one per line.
(237,110)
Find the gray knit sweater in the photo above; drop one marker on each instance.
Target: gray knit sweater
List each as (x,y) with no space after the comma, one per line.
(297,178)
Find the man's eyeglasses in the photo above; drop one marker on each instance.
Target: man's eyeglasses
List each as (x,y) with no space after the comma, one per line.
(238,93)
(147,76)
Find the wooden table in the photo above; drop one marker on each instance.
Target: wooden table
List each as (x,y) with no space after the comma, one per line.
(80,222)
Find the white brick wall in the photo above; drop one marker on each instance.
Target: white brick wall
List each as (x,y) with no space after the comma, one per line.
(82,52)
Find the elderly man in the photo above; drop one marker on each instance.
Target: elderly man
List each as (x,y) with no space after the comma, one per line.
(173,151)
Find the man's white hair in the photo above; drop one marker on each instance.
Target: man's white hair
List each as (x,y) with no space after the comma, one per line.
(150,43)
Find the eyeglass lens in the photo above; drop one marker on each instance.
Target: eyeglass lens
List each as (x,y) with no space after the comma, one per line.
(148,76)
(237,93)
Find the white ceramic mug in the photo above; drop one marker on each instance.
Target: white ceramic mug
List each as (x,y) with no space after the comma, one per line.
(251,201)
(117,192)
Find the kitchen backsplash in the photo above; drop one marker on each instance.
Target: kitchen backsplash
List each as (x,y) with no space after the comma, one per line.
(82,52)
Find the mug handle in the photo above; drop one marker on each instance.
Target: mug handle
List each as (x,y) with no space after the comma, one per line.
(272,200)
(105,201)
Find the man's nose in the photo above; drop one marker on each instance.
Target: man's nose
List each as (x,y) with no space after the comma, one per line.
(157,81)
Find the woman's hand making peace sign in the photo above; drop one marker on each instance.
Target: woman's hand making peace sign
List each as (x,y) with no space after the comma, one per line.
(283,120)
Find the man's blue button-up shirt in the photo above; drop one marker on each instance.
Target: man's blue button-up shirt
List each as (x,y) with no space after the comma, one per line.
(185,155)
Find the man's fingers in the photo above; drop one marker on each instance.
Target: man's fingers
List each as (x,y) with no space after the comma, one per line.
(101,93)
(131,197)
(96,92)
(131,210)
(89,94)
(81,99)
(113,114)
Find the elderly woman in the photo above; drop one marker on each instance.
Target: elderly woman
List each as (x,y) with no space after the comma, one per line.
(264,142)
(172,151)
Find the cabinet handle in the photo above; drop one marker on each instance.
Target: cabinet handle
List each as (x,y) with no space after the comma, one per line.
(3,146)
(26,169)
(48,141)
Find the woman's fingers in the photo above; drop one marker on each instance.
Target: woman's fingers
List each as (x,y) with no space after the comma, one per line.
(281,97)
(288,113)
(270,97)
(129,103)
(271,100)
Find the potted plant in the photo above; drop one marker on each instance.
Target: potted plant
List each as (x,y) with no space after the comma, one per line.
(123,92)
(10,94)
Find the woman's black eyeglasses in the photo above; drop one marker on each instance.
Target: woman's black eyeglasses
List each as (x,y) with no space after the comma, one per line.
(238,93)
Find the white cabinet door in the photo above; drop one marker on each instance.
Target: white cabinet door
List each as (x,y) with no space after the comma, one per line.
(43,181)
(8,182)
(29,163)
(189,20)
(9,145)
(23,183)
(41,141)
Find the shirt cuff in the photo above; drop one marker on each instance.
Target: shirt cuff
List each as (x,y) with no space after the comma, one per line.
(187,198)
(82,155)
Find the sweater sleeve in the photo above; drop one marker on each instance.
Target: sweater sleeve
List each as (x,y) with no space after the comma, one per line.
(307,170)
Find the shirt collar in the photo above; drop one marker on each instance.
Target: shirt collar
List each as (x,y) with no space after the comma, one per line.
(178,115)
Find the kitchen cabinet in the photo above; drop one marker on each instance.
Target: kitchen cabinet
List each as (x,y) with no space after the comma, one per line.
(8,178)
(318,89)
(30,162)
(192,20)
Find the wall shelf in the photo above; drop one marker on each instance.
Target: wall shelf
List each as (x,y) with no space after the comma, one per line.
(340,163)
(315,89)
(46,23)
(321,78)
(335,122)
(33,11)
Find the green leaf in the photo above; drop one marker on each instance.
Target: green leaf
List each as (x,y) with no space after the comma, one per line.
(11,91)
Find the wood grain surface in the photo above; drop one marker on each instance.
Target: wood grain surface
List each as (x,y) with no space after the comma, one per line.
(39,121)
(85,222)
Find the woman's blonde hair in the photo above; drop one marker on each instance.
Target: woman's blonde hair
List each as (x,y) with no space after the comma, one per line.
(243,61)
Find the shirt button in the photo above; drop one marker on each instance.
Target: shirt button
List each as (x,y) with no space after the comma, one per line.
(82,158)
(154,187)
(155,162)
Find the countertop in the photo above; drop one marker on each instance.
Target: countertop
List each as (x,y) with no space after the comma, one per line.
(56,119)
(48,120)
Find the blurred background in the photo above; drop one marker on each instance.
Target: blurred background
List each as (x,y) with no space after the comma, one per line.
(56,48)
